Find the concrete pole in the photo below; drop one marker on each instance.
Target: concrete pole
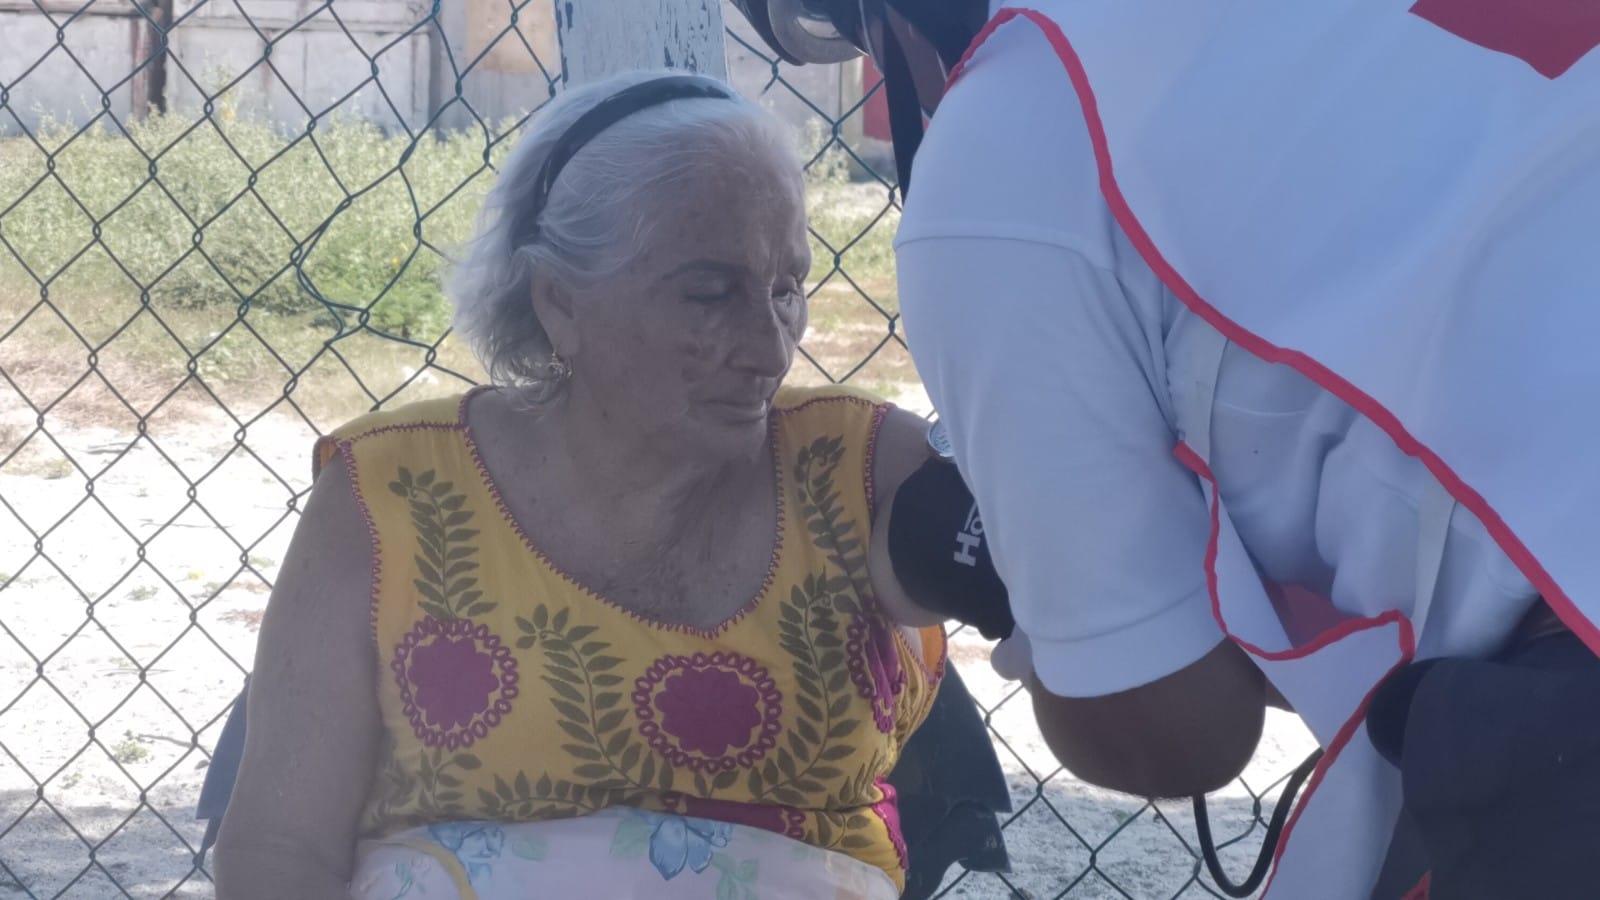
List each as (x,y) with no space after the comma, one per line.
(604,37)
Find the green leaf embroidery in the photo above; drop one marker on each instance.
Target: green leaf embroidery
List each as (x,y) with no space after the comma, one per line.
(798,745)
(572,711)
(811,709)
(562,673)
(838,680)
(618,740)
(577,732)
(563,687)
(807,731)
(824,831)
(445,557)
(630,757)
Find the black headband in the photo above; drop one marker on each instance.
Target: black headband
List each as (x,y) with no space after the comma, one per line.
(603,115)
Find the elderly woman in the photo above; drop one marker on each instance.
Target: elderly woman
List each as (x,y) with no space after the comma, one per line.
(620,625)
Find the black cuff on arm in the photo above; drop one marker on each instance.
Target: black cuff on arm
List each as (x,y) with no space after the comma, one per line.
(940,557)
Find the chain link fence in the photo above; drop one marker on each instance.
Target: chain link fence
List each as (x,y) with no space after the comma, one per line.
(222,226)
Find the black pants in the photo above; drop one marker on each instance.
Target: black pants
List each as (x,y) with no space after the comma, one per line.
(1500,764)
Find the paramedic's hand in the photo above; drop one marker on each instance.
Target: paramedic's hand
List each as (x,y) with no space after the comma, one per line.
(1012,658)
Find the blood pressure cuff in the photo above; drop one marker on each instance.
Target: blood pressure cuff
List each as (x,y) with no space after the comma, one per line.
(940,557)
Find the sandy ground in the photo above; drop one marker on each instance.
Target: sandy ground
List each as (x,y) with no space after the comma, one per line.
(102,755)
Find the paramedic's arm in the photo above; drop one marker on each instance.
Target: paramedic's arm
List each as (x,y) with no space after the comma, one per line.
(1047,379)
(311,742)
(1039,333)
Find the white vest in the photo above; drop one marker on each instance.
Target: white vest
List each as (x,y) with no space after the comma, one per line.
(1403,203)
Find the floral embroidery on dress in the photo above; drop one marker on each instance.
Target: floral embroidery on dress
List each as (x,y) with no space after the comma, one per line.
(888,810)
(456,680)
(875,667)
(693,742)
(874,658)
(695,709)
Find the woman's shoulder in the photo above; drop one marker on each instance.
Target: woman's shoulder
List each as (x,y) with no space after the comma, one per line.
(836,397)
(883,440)
(439,412)
(846,416)
(446,413)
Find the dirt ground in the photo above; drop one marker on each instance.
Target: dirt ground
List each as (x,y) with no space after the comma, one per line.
(103,753)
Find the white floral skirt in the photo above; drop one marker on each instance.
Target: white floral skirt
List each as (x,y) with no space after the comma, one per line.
(615,854)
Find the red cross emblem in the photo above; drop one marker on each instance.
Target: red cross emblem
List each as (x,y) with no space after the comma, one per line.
(1549,35)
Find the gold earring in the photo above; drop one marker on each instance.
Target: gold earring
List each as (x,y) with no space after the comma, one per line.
(557,370)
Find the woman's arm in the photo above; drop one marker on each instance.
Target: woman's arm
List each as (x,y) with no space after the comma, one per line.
(901,449)
(313,724)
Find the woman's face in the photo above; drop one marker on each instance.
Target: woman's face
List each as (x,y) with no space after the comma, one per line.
(688,343)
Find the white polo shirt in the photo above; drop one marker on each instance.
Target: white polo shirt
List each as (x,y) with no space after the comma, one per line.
(1064,370)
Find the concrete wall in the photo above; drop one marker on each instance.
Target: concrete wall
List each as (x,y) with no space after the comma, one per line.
(89,70)
(290,60)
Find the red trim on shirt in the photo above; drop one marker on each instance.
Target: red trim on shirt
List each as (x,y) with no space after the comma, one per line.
(1408,650)
(1422,890)
(1321,375)
(1330,381)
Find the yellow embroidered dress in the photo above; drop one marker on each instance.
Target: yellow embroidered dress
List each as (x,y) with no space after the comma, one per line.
(511,693)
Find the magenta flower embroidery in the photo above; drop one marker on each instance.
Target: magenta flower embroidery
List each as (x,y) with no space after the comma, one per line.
(888,810)
(875,667)
(456,680)
(708,712)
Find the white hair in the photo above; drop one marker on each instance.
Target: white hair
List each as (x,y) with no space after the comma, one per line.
(593,222)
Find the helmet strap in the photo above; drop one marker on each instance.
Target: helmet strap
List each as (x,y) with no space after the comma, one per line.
(905,110)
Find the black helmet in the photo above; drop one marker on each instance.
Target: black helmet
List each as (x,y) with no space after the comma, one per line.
(808,31)
(914,43)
